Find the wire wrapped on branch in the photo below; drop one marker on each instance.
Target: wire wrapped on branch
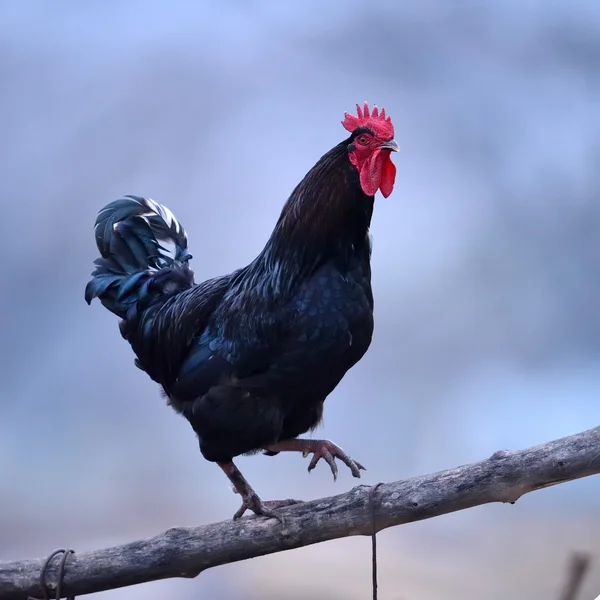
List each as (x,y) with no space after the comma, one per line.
(187,551)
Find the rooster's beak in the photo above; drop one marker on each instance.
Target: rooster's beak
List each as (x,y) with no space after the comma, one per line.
(391,145)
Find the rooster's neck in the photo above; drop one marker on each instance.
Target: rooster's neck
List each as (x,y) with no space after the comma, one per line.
(326,218)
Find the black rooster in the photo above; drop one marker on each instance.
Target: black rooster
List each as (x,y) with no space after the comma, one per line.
(249,358)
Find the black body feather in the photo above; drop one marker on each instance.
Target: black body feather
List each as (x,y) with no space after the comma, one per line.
(247,358)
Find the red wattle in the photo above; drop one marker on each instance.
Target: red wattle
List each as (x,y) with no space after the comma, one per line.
(378,173)
(388,177)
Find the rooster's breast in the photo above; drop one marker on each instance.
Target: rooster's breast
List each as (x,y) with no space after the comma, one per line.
(333,324)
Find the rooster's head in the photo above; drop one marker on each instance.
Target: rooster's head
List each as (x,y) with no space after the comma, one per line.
(369,149)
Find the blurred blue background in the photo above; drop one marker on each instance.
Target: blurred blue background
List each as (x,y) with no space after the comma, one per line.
(485,270)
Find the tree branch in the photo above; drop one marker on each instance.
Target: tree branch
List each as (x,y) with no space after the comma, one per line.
(186,552)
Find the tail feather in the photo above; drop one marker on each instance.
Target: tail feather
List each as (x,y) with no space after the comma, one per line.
(144,255)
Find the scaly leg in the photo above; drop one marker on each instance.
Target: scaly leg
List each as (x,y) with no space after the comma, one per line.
(250,499)
(320,449)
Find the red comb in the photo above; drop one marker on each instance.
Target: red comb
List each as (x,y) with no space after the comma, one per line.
(375,120)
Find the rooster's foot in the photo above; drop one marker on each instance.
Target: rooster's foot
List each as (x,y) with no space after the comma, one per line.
(263,508)
(320,449)
(250,499)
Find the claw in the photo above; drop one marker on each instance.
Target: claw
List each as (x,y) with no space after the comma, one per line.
(320,449)
(261,508)
(250,499)
(257,506)
(327,457)
(328,451)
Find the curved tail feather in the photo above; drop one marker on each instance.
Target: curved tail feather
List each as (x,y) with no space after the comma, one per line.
(144,256)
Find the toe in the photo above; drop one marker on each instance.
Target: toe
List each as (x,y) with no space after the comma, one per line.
(240,512)
(330,460)
(269,514)
(259,508)
(355,470)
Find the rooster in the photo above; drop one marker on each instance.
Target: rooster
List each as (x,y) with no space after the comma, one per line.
(249,358)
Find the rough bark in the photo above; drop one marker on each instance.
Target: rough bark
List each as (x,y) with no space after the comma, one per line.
(186,552)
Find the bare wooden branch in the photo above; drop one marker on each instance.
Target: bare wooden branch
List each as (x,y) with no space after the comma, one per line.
(186,552)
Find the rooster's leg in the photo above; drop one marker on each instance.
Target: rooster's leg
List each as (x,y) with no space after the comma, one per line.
(320,449)
(250,499)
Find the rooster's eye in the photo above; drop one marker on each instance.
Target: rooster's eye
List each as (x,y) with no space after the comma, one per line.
(362,140)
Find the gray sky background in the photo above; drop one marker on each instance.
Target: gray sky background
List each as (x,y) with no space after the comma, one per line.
(484,270)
